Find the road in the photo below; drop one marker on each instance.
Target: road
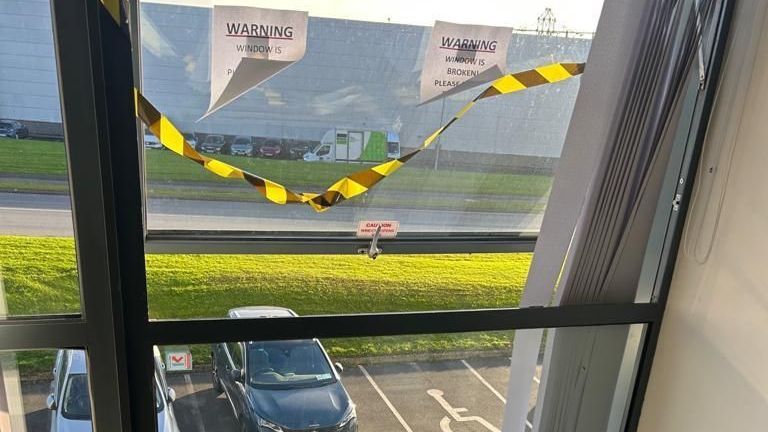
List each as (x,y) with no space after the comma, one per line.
(49,215)
(444,396)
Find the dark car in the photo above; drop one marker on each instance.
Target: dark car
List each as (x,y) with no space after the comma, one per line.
(298,151)
(241,146)
(281,386)
(271,149)
(13,129)
(213,144)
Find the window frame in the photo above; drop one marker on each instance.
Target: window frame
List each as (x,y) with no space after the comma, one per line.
(106,190)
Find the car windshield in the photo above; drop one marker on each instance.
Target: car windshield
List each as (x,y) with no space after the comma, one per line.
(76,403)
(288,364)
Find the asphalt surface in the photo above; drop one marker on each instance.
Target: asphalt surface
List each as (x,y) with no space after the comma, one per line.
(442,396)
(49,215)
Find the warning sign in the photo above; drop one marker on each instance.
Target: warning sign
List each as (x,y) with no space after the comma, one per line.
(366,229)
(250,45)
(178,360)
(461,56)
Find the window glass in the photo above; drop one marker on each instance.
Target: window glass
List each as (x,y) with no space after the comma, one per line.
(76,402)
(208,286)
(44,390)
(357,88)
(236,354)
(38,266)
(430,383)
(287,365)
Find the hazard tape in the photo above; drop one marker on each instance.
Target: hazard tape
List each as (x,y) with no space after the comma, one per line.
(354,184)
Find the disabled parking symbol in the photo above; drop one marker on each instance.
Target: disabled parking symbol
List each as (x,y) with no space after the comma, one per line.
(455,414)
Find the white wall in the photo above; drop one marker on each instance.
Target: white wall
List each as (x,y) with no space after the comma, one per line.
(710,372)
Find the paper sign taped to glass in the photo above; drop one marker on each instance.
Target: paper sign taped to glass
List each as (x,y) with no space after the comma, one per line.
(460,56)
(249,46)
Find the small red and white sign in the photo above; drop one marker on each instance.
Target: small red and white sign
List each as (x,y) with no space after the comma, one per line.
(178,360)
(366,229)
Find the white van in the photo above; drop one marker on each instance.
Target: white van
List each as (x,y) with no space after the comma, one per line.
(348,145)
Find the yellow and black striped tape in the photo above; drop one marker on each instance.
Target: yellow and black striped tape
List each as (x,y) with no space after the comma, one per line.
(353,184)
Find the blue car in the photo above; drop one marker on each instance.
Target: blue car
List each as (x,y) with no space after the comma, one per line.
(281,386)
(13,129)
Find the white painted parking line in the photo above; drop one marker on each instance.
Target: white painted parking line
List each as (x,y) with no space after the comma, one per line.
(528,425)
(482,380)
(385,399)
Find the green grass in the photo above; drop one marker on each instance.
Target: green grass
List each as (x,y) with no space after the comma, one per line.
(46,159)
(40,277)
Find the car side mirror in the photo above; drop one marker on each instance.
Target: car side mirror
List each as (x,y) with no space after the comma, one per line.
(170,395)
(50,402)
(339,367)
(236,374)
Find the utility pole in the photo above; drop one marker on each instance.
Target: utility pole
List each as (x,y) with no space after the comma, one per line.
(437,144)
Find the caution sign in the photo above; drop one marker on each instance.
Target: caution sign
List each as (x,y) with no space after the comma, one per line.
(249,46)
(459,57)
(366,229)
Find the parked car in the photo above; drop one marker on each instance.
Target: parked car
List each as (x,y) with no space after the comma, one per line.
(151,141)
(271,149)
(70,401)
(276,386)
(241,146)
(191,140)
(13,129)
(298,151)
(213,144)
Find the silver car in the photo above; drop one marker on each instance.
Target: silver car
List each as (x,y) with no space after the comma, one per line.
(241,146)
(70,402)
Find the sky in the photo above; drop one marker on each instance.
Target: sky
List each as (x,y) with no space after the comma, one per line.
(574,15)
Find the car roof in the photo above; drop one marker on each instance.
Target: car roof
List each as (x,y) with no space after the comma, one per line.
(76,362)
(261,312)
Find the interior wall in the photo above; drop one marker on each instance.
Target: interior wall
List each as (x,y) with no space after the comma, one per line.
(710,371)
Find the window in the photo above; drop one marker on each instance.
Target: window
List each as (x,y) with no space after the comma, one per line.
(490,173)
(300,384)
(287,365)
(235,354)
(76,403)
(38,263)
(323,150)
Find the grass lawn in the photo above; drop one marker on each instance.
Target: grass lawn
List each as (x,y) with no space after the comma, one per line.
(46,159)
(39,275)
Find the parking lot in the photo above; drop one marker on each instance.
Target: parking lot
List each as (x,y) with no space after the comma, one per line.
(463,395)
